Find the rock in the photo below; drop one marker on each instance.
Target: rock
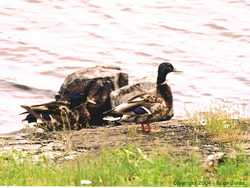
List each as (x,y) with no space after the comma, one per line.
(81,101)
(53,146)
(71,155)
(95,85)
(213,160)
(22,147)
(89,77)
(85,182)
(52,155)
(33,130)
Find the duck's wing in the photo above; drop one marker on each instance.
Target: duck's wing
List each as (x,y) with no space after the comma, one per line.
(56,116)
(122,108)
(143,97)
(137,114)
(43,107)
(144,108)
(138,98)
(30,110)
(126,110)
(43,112)
(136,107)
(149,112)
(126,93)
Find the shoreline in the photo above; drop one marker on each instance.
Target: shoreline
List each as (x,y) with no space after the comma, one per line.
(173,147)
(57,145)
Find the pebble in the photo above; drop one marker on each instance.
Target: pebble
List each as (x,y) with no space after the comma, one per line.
(85,182)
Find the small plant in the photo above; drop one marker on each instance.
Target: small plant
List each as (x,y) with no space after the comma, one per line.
(128,166)
(220,122)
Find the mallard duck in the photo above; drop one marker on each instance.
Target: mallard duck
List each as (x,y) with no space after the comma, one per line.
(153,105)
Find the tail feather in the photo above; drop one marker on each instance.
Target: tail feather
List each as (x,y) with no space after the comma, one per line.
(36,108)
(42,112)
(113,116)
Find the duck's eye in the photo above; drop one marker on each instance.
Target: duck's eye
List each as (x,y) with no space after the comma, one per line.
(170,69)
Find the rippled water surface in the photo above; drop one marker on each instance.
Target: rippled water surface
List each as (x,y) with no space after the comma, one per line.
(42,41)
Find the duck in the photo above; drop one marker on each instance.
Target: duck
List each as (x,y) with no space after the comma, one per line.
(150,106)
(57,115)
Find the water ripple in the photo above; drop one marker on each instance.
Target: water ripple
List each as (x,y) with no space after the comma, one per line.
(43,41)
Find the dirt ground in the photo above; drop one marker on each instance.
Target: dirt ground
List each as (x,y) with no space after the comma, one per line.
(174,136)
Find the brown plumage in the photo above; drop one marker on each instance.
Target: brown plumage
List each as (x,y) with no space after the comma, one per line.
(147,107)
(57,115)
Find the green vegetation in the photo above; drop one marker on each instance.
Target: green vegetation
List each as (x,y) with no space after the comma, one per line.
(220,122)
(126,166)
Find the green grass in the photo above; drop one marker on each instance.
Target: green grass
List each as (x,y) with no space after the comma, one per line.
(127,166)
(221,123)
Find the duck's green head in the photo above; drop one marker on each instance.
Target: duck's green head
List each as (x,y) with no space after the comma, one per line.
(163,70)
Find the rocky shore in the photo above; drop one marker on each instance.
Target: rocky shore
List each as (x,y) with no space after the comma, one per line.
(174,137)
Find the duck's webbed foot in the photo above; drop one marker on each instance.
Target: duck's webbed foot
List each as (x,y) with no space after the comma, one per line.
(146,128)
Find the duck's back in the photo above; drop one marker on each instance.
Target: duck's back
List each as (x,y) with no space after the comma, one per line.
(160,108)
(125,93)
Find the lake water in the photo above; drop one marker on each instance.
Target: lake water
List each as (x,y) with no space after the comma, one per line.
(42,41)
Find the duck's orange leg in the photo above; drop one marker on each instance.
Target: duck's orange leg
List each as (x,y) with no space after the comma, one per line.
(146,127)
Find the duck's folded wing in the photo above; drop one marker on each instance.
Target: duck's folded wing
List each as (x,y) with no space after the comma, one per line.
(43,111)
(40,108)
(141,110)
(31,111)
(113,116)
(116,113)
(51,104)
(137,98)
(138,114)
(127,111)
(142,96)
(43,107)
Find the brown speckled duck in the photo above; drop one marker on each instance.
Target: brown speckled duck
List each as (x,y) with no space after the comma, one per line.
(153,105)
(57,115)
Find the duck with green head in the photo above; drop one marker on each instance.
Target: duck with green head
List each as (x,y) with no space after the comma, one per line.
(151,106)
